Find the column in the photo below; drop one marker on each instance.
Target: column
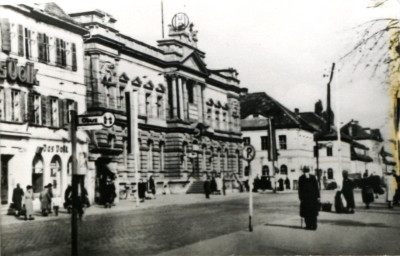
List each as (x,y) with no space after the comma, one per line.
(185,99)
(174,98)
(181,111)
(199,95)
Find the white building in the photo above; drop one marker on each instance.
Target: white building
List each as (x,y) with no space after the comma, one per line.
(41,79)
(294,138)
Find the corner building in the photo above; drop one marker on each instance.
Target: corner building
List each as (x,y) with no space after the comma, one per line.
(41,79)
(184,107)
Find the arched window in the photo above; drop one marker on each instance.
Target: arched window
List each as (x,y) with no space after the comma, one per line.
(330,173)
(37,173)
(162,146)
(284,169)
(150,156)
(265,170)
(55,173)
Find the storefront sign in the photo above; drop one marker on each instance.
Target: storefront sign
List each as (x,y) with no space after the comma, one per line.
(55,149)
(24,74)
(87,122)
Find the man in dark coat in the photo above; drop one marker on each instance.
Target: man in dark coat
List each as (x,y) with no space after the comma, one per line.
(17,195)
(309,199)
(280,181)
(347,191)
(207,187)
(213,185)
(142,190)
(152,186)
(367,190)
(256,184)
(287,183)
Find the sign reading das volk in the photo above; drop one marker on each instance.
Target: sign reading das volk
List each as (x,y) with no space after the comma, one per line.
(96,122)
(24,74)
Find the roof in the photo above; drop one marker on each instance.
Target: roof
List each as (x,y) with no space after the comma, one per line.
(263,104)
(358,132)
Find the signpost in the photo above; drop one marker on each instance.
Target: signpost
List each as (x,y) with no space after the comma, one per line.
(85,122)
(248,154)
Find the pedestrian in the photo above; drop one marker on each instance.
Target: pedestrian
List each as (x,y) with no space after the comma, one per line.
(287,183)
(68,199)
(17,197)
(347,191)
(207,187)
(367,190)
(309,199)
(391,186)
(152,186)
(269,185)
(50,194)
(110,193)
(44,201)
(28,202)
(256,184)
(213,184)
(142,190)
(263,183)
(81,199)
(280,181)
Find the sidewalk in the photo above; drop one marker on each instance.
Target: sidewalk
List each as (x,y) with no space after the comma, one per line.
(129,205)
(374,231)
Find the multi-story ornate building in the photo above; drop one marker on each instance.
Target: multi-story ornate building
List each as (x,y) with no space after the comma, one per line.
(184,107)
(41,79)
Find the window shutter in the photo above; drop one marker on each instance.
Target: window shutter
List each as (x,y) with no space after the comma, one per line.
(28,48)
(5,36)
(44,110)
(65,111)
(22,107)
(7,99)
(46,48)
(61,113)
(74,62)
(49,111)
(63,53)
(40,45)
(30,102)
(58,52)
(20,40)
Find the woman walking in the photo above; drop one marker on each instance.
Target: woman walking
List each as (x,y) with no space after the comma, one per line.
(28,200)
(391,186)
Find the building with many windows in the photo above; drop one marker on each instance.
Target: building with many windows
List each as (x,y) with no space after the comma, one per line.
(184,108)
(41,80)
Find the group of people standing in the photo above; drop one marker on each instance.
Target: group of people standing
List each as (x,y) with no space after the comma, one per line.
(23,202)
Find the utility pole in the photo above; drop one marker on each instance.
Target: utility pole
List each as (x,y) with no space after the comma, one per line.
(74,221)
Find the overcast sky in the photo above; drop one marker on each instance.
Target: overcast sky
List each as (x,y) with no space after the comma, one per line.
(282,47)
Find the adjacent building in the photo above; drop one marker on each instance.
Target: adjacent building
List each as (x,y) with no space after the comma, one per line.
(41,80)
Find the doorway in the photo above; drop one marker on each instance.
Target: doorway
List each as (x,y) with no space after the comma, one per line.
(4,178)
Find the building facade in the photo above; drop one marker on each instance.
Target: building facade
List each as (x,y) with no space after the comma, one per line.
(41,80)
(184,108)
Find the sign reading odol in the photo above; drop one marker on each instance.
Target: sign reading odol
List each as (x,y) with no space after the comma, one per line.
(96,122)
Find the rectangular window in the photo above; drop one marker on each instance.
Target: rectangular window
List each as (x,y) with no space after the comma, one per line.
(264,143)
(148,105)
(15,106)
(61,54)
(43,47)
(224,120)
(246,141)
(28,44)
(122,98)
(282,142)
(37,110)
(190,92)
(74,60)
(2,104)
(54,112)
(329,151)
(20,41)
(160,107)
(69,106)
(217,124)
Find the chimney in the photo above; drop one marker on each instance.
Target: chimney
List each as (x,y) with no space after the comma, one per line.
(296,111)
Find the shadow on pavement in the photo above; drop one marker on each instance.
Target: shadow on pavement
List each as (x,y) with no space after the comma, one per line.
(284,226)
(353,223)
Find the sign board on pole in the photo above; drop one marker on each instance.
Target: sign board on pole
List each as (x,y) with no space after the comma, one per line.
(88,122)
(249,153)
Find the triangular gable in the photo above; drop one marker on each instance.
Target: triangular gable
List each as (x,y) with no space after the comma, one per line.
(123,78)
(160,88)
(194,62)
(149,85)
(137,82)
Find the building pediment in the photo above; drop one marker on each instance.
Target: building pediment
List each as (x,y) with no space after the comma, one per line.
(194,62)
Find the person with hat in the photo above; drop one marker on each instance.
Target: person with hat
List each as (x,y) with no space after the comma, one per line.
(17,196)
(45,200)
(50,193)
(28,202)
(347,191)
(309,199)
(391,186)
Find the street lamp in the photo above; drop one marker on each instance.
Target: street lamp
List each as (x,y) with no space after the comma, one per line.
(317,147)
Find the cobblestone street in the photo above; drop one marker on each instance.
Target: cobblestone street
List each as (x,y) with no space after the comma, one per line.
(217,226)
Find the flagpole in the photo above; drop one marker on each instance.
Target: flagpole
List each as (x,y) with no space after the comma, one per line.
(162,18)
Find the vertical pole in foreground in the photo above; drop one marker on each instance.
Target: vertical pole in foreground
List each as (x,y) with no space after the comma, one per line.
(162,19)
(74,221)
(250,197)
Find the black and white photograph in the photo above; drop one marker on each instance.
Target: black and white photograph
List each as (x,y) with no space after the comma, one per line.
(212,127)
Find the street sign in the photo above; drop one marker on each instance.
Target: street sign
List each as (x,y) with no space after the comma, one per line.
(87,122)
(249,153)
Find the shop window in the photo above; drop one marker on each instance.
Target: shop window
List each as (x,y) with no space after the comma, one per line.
(246,141)
(61,53)
(284,170)
(282,142)
(2,104)
(329,151)
(55,173)
(330,173)
(265,170)
(54,115)
(37,173)
(264,143)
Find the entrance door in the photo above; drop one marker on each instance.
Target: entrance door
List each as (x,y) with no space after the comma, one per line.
(4,178)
